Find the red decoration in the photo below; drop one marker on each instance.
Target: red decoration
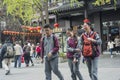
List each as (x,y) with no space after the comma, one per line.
(22,59)
(86,20)
(38,28)
(56,25)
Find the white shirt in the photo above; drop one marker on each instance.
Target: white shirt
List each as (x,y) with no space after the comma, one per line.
(111,44)
(18,49)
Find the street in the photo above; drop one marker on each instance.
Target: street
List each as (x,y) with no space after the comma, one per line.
(109,69)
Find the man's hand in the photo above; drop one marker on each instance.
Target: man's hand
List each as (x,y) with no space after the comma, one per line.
(75,60)
(78,50)
(49,54)
(93,40)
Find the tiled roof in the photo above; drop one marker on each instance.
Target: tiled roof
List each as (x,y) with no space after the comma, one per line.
(66,7)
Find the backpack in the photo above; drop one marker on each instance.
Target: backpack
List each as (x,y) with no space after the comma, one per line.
(53,40)
(27,49)
(89,49)
(9,51)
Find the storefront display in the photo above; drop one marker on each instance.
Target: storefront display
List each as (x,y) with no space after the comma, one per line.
(110,30)
(62,38)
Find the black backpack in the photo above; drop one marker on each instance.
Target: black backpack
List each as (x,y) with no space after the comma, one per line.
(8,51)
(27,49)
(53,40)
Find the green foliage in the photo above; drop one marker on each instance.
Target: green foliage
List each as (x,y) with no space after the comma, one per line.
(103,2)
(62,54)
(24,9)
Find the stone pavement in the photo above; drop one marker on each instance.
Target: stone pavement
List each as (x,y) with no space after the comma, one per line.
(109,69)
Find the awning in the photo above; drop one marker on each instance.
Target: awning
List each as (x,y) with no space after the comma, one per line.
(67,7)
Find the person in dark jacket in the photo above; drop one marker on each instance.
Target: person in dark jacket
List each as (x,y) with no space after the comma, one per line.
(49,48)
(0,57)
(6,60)
(26,51)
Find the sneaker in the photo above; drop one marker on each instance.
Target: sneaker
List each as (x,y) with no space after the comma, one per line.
(111,56)
(7,72)
(32,64)
(27,65)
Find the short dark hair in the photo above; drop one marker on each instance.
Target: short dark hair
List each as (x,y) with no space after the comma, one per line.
(89,24)
(47,26)
(70,29)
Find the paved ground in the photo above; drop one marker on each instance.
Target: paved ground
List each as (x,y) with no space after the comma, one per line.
(109,69)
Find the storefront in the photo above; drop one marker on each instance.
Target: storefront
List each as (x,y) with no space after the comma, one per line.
(110,26)
(30,34)
(61,35)
(105,19)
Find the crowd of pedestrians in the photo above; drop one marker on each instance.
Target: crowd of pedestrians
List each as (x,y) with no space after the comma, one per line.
(114,45)
(17,54)
(86,45)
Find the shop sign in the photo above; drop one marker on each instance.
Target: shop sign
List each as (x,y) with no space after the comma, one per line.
(57,30)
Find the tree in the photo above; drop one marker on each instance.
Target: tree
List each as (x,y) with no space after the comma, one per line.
(102,2)
(20,8)
(26,9)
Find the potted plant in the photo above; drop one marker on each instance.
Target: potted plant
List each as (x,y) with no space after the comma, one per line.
(62,57)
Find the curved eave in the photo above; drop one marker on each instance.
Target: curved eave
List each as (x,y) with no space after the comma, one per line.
(67,7)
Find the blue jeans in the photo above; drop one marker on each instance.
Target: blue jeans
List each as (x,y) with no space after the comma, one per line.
(92,65)
(17,59)
(74,68)
(111,50)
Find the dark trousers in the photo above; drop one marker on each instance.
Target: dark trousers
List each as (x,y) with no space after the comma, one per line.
(0,62)
(27,58)
(52,65)
(38,55)
(17,60)
(74,68)
(117,49)
(31,59)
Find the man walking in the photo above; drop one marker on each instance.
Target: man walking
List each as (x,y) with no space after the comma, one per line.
(7,54)
(18,54)
(50,47)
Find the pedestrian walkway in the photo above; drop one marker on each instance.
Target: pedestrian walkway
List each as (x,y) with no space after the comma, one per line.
(109,69)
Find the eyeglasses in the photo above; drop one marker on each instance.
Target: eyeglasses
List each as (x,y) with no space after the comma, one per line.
(84,26)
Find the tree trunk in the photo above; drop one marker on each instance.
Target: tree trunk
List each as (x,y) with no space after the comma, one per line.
(42,18)
(46,12)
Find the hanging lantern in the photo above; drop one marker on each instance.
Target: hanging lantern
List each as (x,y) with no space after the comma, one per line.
(86,20)
(30,29)
(38,29)
(56,25)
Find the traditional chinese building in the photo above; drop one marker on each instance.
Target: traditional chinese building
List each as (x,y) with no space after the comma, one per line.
(105,18)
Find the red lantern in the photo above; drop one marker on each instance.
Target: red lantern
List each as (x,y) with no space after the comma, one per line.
(86,20)
(56,25)
(38,29)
